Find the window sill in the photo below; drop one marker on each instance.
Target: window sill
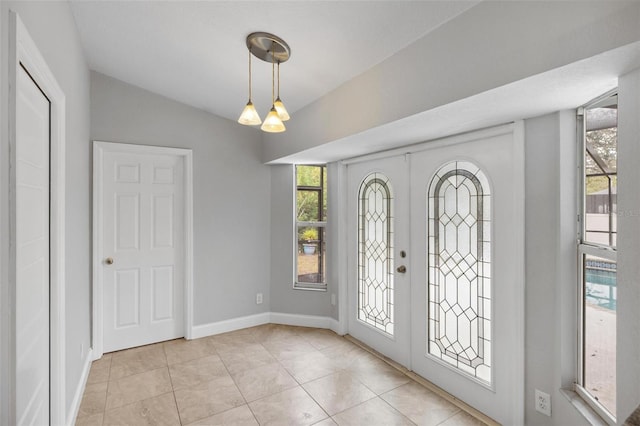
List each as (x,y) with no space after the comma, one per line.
(301,287)
(583,408)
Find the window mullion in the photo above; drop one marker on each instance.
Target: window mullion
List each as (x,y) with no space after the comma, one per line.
(599,251)
(312,224)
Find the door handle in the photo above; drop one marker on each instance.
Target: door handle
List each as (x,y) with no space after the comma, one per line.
(109,261)
(402,269)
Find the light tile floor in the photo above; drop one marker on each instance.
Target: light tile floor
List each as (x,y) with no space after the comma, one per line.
(266,375)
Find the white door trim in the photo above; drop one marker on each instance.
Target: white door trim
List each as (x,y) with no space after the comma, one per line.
(438,143)
(99,148)
(23,50)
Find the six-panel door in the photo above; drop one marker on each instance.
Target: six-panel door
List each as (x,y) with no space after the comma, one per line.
(143,249)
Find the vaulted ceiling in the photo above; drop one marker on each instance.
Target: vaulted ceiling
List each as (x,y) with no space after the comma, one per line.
(367,76)
(195,52)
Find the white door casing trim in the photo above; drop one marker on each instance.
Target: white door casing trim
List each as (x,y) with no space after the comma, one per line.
(23,50)
(99,148)
(341,245)
(442,142)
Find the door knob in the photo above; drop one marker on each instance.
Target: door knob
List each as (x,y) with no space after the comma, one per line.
(109,261)
(402,269)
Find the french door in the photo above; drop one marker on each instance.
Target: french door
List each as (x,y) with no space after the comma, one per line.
(378,194)
(457,213)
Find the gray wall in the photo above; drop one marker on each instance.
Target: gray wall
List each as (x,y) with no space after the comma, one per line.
(550,264)
(283,297)
(232,191)
(53,29)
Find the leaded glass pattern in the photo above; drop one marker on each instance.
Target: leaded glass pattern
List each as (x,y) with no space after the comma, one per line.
(459,269)
(375,253)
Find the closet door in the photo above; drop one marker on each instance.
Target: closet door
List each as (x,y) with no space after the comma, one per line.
(32,251)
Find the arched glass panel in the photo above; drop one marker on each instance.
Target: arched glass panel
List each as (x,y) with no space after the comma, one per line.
(459,269)
(375,253)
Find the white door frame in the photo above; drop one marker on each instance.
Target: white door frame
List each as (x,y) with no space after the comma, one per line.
(99,148)
(517,129)
(23,50)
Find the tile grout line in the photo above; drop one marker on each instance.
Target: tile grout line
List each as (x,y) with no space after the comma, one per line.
(279,365)
(386,403)
(461,405)
(395,409)
(317,403)
(278,361)
(237,387)
(104,410)
(300,385)
(173,391)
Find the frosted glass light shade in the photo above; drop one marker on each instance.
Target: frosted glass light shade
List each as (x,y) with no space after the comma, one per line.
(249,116)
(273,123)
(282,111)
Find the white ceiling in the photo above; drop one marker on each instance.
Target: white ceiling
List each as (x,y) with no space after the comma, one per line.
(195,52)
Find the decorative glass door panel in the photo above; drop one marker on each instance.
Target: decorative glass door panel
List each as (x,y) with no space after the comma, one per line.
(375,253)
(379,283)
(459,278)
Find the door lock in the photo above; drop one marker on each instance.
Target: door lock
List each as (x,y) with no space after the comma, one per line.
(402,269)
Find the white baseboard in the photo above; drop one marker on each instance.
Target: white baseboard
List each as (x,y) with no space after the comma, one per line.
(77,397)
(225,326)
(229,325)
(305,321)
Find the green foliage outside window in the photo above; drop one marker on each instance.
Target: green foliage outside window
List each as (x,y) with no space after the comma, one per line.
(309,234)
(604,143)
(312,183)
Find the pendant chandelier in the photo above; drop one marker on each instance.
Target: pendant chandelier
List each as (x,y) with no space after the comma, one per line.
(273,49)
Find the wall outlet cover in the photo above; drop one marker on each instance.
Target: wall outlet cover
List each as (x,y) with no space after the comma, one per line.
(543,403)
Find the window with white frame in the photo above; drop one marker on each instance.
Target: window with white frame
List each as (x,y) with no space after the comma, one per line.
(311,225)
(597,255)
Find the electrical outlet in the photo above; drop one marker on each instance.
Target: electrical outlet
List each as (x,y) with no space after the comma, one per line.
(258,298)
(333,299)
(543,403)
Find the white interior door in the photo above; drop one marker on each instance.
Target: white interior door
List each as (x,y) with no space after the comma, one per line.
(467,221)
(142,245)
(378,293)
(32,252)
